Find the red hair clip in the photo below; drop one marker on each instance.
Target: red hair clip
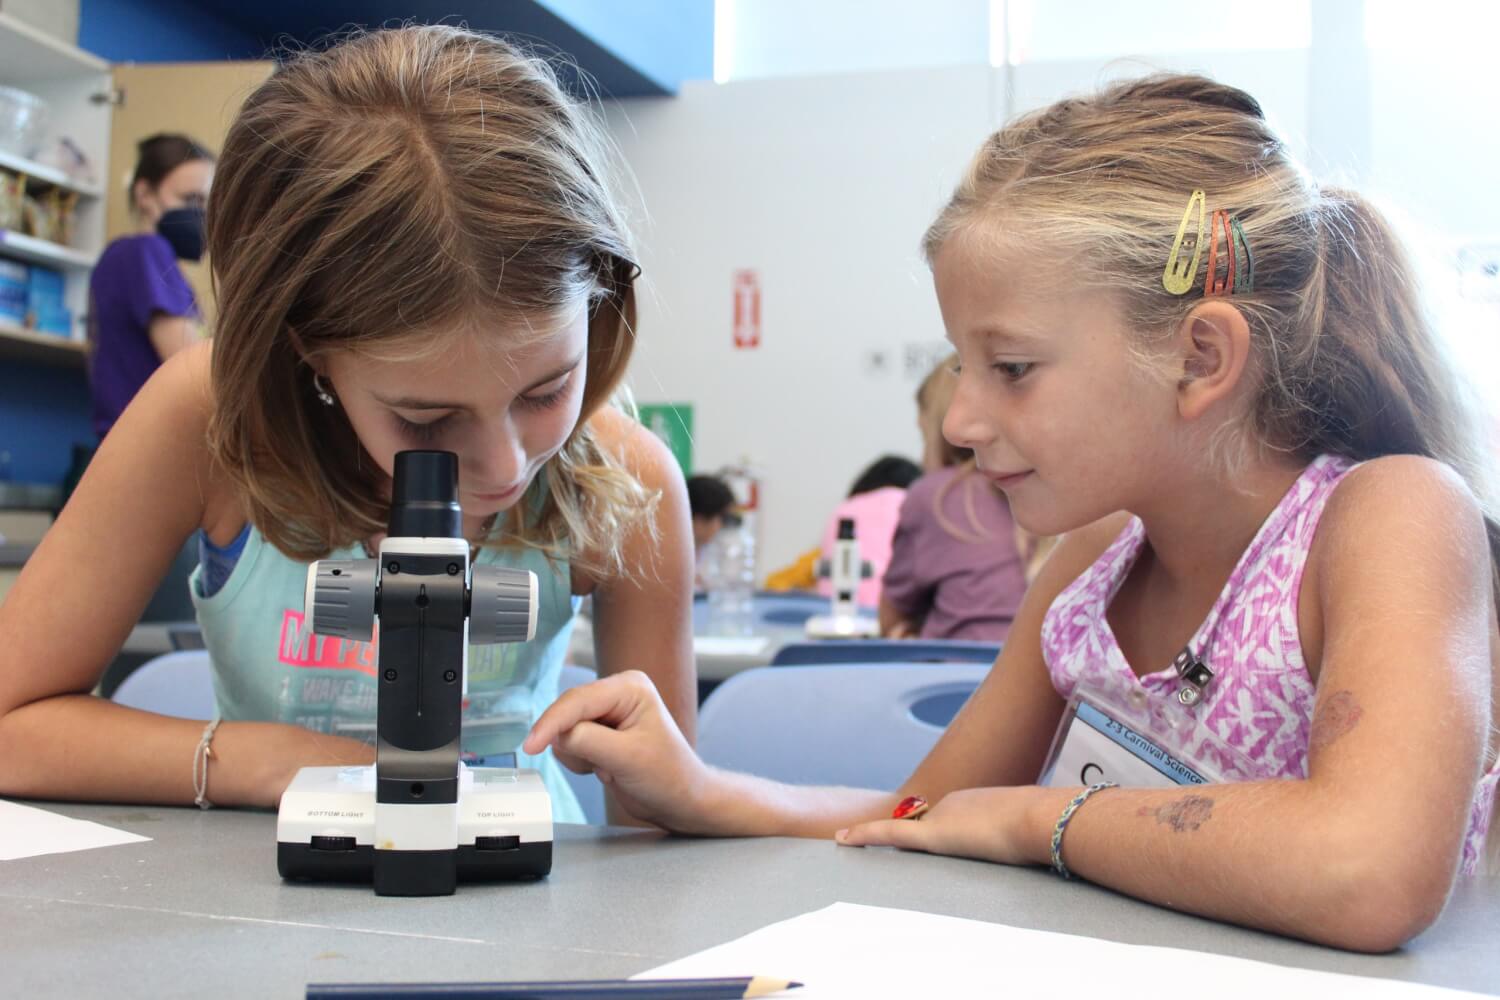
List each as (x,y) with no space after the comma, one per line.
(1212,285)
(1239,268)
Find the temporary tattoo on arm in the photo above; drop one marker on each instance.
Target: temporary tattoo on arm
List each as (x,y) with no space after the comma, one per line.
(1336,715)
(1184,815)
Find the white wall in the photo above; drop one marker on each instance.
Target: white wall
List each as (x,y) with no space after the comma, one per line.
(755,39)
(825,187)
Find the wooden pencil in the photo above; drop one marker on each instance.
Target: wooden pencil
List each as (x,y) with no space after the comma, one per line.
(740,988)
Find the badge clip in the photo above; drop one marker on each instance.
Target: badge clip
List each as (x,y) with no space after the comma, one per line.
(1195,674)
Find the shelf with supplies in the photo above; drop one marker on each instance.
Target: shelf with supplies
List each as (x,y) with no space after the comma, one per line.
(34,251)
(52,190)
(29,55)
(40,173)
(20,344)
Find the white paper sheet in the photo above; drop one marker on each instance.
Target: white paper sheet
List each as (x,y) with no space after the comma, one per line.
(26,832)
(730,645)
(849,951)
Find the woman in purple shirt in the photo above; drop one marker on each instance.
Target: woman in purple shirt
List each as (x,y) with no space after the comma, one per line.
(142,309)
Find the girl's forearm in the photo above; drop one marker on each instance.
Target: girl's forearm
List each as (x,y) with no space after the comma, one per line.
(1285,856)
(82,748)
(742,805)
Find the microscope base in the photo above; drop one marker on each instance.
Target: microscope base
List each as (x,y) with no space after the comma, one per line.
(500,829)
(842,627)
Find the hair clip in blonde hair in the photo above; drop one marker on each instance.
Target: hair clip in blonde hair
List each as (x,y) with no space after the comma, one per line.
(1180,274)
(1212,283)
(1239,269)
(1244,271)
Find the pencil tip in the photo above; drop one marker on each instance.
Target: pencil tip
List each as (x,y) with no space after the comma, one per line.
(761,986)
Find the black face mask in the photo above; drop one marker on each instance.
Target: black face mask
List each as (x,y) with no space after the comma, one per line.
(183,228)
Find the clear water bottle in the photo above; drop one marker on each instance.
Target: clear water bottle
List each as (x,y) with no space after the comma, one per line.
(730,578)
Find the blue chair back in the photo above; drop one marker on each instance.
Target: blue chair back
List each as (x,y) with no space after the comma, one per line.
(862,725)
(885,651)
(587,787)
(177,684)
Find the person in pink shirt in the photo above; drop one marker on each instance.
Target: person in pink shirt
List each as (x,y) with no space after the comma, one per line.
(874,504)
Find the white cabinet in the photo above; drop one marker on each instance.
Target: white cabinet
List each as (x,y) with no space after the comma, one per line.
(77,88)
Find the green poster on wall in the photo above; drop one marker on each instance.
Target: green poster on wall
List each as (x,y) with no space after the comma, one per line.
(673,423)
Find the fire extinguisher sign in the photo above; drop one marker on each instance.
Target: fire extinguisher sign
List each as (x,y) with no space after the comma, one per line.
(746,309)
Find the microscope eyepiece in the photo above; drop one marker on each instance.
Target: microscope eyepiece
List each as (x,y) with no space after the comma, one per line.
(424,496)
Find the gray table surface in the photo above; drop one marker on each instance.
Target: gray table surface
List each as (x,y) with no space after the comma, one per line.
(199,911)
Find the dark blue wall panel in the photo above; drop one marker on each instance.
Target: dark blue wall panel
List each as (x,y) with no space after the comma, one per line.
(43,411)
(162,31)
(644,47)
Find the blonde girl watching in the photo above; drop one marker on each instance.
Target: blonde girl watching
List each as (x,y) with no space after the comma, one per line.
(414,246)
(1277,476)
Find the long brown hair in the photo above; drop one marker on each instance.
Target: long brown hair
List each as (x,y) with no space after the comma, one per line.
(1348,361)
(408,180)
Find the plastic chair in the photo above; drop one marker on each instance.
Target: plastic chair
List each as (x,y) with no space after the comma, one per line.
(176,684)
(862,725)
(885,651)
(587,787)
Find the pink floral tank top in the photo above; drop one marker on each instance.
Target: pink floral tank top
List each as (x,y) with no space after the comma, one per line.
(1260,701)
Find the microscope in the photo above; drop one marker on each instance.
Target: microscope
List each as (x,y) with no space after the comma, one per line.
(845,570)
(420,820)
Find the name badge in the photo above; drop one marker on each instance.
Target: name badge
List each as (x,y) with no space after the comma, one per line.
(1098,743)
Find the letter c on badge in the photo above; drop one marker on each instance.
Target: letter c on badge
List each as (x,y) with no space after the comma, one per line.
(1083,775)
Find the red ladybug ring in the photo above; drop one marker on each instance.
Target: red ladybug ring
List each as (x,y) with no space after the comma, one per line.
(911,807)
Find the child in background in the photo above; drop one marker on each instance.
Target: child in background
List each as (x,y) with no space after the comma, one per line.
(1235,447)
(874,504)
(413,247)
(957,569)
(712,504)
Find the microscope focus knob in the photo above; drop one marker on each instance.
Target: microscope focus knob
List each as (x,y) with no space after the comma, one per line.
(502,605)
(340,598)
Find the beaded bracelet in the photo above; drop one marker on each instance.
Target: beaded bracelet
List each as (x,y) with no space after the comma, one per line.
(1062,824)
(200,766)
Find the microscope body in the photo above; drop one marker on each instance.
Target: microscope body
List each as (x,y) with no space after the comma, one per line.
(419,820)
(844,571)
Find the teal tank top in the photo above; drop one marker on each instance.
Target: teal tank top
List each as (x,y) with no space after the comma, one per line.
(268,667)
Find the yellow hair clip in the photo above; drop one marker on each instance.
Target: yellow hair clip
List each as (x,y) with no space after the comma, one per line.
(1179,275)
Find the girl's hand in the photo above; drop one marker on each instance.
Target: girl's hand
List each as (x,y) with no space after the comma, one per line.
(619,729)
(991,824)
